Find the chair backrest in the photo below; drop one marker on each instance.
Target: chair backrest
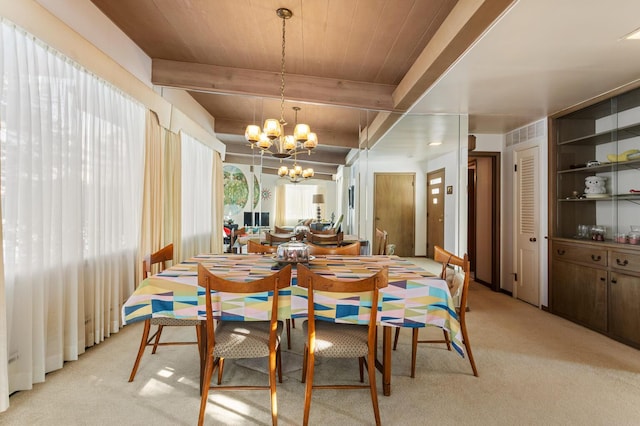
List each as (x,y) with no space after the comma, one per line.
(160,257)
(279,230)
(352,249)
(255,247)
(282,238)
(334,239)
(458,280)
(272,283)
(366,312)
(330,231)
(336,226)
(380,242)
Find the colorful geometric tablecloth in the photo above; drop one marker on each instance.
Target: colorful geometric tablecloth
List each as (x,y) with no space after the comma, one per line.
(413,298)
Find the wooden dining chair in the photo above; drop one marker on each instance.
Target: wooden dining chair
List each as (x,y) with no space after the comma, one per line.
(272,239)
(352,336)
(455,270)
(325,239)
(255,247)
(329,231)
(233,238)
(159,258)
(352,249)
(380,242)
(242,339)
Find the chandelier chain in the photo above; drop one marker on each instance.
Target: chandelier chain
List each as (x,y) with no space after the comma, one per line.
(272,134)
(284,25)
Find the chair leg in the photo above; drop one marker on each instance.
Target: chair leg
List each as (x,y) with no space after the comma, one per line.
(198,337)
(305,354)
(371,368)
(446,339)
(157,341)
(220,368)
(293,323)
(414,351)
(361,364)
(143,345)
(308,388)
(272,387)
(279,363)
(467,346)
(206,384)
(288,324)
(395,339)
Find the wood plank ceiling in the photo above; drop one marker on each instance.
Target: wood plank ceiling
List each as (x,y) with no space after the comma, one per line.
(349,64)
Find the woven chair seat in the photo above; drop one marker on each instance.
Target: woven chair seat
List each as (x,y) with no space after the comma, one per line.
(174,322)
(243,339)
(335,340)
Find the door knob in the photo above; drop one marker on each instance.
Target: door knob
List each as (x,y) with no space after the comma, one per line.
(532,239)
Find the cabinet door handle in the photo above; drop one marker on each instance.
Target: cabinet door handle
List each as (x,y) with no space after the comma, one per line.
(532,239)
(560,252)
(614,281)
(603,279)
(622,262)
(596,258)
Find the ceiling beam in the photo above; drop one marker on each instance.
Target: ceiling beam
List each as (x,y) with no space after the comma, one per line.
(468,20)
(302,88)
(316,157)
(274,164)
(325,136)
(466,23)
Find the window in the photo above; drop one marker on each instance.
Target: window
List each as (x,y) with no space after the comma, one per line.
(299,202)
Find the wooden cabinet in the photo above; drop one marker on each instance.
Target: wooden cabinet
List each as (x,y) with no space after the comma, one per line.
(595,280)
(624,313)
(581,293)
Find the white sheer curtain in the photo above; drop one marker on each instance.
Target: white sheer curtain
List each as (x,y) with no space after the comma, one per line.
(197,181)
(299,203)
(71,179)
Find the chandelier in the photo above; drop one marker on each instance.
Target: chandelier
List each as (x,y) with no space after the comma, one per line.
(272,139)
(295,173)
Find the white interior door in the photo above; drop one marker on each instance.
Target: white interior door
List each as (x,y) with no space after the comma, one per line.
(527,286)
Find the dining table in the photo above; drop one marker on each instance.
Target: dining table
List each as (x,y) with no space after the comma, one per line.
(413,298)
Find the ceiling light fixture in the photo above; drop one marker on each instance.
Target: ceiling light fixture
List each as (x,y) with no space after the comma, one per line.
(435,143)
(633,35)
(296,173)
(272,133)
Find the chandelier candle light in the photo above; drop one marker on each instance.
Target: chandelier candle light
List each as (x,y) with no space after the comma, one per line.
(273,129)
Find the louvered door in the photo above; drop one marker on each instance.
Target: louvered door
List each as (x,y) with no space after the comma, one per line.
(527,287)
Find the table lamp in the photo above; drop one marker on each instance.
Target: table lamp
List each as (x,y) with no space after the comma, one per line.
(318,199)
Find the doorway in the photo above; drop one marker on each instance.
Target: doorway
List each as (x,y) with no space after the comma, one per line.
(483,218)
(527,286)
(435,211)
(394,210)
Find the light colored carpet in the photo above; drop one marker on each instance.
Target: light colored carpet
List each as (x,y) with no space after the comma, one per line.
(535,369)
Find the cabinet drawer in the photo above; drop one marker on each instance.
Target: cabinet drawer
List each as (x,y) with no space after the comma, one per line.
(583,254)
(624,260)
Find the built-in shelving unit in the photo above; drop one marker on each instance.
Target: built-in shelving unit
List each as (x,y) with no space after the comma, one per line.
(596,282)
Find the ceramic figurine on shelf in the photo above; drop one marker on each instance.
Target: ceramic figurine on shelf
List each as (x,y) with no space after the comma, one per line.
(595,185)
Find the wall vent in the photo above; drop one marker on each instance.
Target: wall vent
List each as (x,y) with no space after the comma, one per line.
(523,134)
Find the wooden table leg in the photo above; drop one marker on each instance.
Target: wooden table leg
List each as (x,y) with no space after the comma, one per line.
(386,361)
(385,366)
